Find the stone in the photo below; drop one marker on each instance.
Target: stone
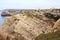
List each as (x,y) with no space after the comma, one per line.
(28,26)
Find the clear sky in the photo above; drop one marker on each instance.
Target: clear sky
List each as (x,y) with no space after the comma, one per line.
(29,4)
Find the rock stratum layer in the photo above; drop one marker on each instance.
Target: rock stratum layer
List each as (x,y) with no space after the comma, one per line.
(28,26)
(10,12)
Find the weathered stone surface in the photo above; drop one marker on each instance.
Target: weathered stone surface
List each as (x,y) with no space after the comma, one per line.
(28,25)
(10,36)
(8,13)
(57,25)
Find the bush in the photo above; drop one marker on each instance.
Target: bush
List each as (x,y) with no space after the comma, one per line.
(49,36)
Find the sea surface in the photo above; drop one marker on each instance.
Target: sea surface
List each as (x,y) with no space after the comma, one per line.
(1,19)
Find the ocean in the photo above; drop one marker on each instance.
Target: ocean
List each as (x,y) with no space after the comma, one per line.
(1,19)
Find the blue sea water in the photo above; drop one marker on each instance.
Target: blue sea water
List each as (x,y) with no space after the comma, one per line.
(1,19)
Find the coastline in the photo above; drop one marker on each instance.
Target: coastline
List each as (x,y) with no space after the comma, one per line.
(30,24)
(1,19)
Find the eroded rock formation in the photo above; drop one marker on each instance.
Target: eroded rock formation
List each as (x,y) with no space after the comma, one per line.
(8,13)
(27,26)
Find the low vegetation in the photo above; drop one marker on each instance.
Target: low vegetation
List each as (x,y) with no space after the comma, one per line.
(49,36)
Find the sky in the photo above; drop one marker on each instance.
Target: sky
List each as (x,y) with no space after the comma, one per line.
(29,4)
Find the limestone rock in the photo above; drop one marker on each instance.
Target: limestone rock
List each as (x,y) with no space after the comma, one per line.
(10,36)
(8,13)
(28,25)
(57,25)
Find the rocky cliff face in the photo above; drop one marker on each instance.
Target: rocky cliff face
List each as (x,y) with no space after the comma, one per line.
(28,26)
(10,12)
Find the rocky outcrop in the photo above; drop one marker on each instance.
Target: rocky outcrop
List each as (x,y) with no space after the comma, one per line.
(8,13)
(28,26)
(10,36)
(51,36)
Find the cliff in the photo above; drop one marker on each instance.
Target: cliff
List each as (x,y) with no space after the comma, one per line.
(10,12)
(28,26)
